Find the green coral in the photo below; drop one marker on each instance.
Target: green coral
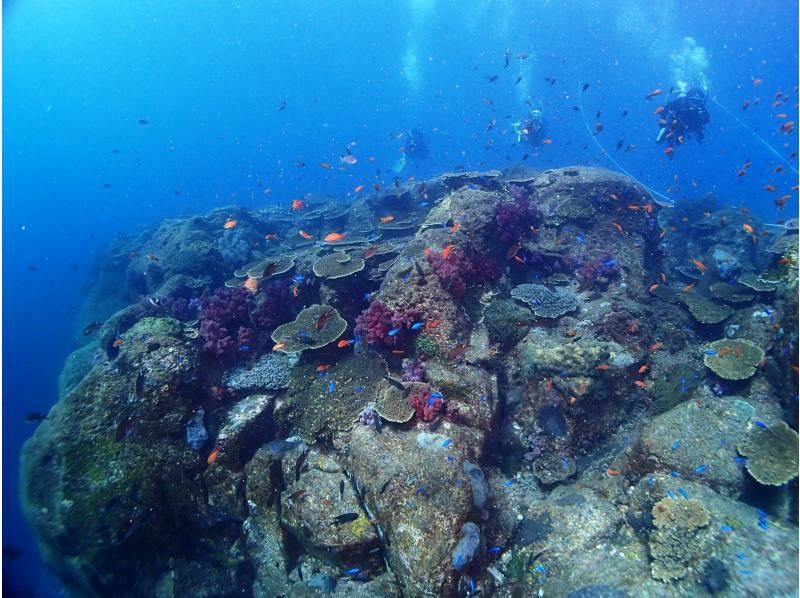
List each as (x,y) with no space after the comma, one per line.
(771,454)
(733,359)
(704,310)
(314,327)
(678,540)
(426,345)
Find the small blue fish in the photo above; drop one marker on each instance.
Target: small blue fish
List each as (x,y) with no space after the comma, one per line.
(564,462)
(430,402)
(580,238)
(423,204)
(446,442)
(651,481)
(761,424)
(701,468)
(762,523)
(405,277)
(540,569)
(674,474)
(671,494)
(331,386)
(739,460)
(298,278)
(366,296)
(725,528)
(508,483)
(676,445)
(420,489)
(322,374)
(417,325)
(744,571)
(393,331)
(353,571)
(710,352)
(609,263)
(683,493)
(494,549)
(244,348)
(472,186)
(358,389)
(437,395)
(451,458)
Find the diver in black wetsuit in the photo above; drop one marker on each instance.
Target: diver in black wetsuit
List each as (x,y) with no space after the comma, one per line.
(415,148)
(684,115)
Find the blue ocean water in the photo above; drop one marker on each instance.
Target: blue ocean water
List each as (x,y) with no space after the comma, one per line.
(117,115)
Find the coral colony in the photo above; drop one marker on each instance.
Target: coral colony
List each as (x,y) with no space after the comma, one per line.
(437,396)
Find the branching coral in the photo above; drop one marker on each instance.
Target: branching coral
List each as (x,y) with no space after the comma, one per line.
(426,405)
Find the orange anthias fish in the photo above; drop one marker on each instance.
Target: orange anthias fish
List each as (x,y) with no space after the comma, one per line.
(152,257)
(748,228)
(333,237)
(640,383)
(432,324)
(371,250)
(669,151)
(117,342)
(251,284)
(769,188)
(386,219)
(653,287)
(547,142)
(325,165)
(212,456)
(688,287)
(271,237)
(655,346)
(618,226)
(603,367)
(643,369)
(323,319)
(343,343)
(613,472)
(304,234)
(700,265)
(454,228)
(358,188)
(278,346)
(323,368)
(229,224)
(298,204)
(447,250)
(654,93)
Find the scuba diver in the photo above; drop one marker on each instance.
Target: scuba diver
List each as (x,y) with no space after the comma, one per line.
(684,114)
(530,128)
(415,148)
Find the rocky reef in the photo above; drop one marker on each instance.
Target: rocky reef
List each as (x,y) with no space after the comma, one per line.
(500,384)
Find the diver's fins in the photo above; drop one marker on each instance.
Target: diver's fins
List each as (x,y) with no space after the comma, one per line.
(399,165)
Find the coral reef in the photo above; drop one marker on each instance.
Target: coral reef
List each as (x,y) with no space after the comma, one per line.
(771,453)
(564,381)
(733,359)
(678,540)
(544,302)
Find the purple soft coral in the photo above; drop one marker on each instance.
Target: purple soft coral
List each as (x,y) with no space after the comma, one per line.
(380,325)
(515,216)
(224,319)
(453,270)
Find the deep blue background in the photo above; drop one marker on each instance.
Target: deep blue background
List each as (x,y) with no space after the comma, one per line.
(210,77)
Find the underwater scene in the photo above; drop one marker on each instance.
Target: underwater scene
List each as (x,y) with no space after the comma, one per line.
(425,298)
